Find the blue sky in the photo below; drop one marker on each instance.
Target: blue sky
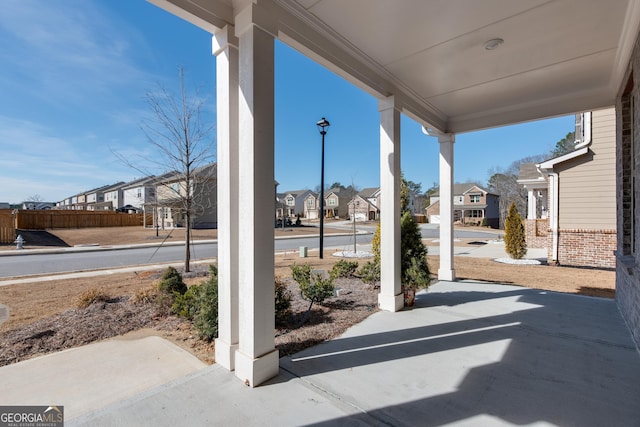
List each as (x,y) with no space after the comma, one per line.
(75,73)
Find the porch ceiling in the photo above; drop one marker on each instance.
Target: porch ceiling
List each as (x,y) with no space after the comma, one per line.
(558,56)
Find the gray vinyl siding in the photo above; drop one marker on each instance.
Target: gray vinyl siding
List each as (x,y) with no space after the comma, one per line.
(588,183)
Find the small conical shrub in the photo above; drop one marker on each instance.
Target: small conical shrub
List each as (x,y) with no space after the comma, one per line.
(171,282)
(514,235)
(413,254)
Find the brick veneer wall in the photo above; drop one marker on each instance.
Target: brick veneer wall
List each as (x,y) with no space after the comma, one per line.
(536,232)
(628,251)
(587,248)
(628,299)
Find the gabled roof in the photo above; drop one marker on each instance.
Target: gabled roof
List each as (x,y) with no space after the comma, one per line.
(461,189)
(549,164)
(369,192)
(365,200)
(139,182)
(297,193)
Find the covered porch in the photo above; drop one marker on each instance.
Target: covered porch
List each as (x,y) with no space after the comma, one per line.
(451,67)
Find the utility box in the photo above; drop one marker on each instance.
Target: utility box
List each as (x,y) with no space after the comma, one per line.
(303,251)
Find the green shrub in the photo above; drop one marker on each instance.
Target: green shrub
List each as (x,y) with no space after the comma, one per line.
(186,305)
(413,254)
(314,287)
(171,282)
(343,268)
(370,272)
(515,243)
(375,243)
(205,319)
(200,304)
(301,273)
(282,301)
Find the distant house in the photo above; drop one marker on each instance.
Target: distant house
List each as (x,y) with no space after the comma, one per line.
(364,206)
(472,205)
(571,203)
(311,206)
(103,198)
(293,203)
(31,205)
(336,202)
(170,192)
(141,193)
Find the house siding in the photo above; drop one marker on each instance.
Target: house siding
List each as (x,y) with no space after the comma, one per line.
(628,197)
(588,188)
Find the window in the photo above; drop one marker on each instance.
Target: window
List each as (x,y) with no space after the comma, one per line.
(475,213)
(474,198)
(290,201)
(310,203)
(139,193)
(332,202)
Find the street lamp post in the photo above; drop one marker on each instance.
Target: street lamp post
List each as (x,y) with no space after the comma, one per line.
(323,125)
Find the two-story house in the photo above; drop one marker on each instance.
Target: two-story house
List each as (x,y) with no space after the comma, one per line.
(336,202)
(171,195)
(571,203)
(141,193)
(96,198)
(294,203)
(472,205)
(311,206)
(364,206)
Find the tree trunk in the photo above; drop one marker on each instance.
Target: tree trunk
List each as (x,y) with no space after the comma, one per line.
(187,244)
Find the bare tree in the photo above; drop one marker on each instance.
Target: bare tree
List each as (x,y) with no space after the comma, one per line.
(183,152)
(35,198)
(504,183)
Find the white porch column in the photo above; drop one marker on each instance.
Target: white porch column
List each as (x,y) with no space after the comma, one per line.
(531,204)
(225,48)
(390,297)
(446,271)
(256,359)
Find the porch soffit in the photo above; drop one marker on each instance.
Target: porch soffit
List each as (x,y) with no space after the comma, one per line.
(558,57)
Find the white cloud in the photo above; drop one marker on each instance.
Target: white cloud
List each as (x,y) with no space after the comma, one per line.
(40,162)
(70,50)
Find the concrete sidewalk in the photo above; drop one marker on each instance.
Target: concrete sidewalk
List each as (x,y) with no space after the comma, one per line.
(468,354)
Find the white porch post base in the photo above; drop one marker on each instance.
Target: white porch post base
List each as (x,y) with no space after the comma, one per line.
(391,302)
(225,353)
(444,274)
(254,372)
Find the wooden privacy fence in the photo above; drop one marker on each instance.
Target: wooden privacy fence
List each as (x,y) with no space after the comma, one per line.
(47,219)
(7,226)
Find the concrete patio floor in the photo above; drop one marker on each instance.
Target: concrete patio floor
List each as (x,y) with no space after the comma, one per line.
(468,354)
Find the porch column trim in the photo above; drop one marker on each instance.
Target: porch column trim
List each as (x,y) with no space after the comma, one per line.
(390,297)
(225,48)
(531,204)
(446,270)
(256,359)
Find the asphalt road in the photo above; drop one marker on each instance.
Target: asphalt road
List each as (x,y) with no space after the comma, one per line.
(91,259)
(74,260)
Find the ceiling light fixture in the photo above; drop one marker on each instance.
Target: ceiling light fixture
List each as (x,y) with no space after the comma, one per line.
(493,44)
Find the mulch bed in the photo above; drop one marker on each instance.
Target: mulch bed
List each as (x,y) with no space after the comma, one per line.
(101,320)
